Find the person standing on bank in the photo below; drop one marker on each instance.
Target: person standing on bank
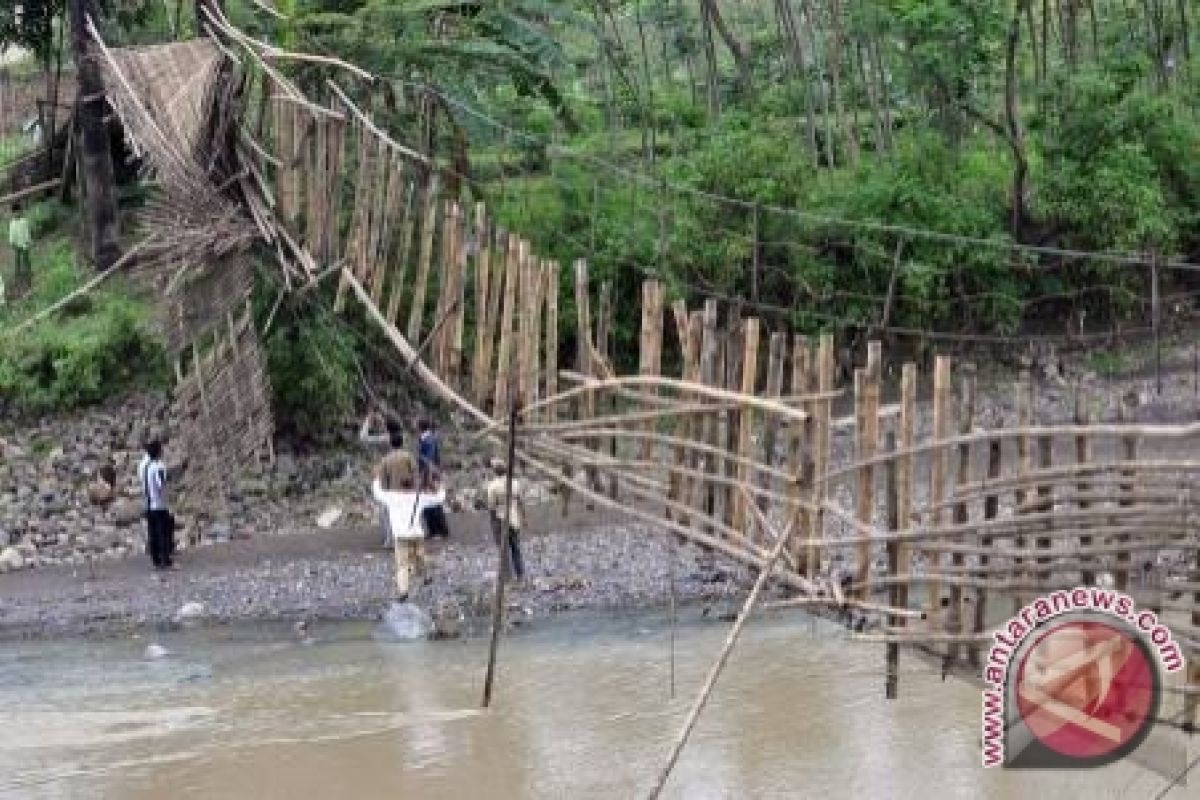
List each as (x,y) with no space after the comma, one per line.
(429,456)
(160,533)
(20,238)
(497,500)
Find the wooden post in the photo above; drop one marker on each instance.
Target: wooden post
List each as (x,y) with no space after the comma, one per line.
(1045,504)
(866,400)
(746,419)
(937,470)
(428,224)
(458,297)
(892,658)
(483,288)
(396,296)
(505,538)
(552,337)
(505,362)
(1024,466)
(800,438)
(650,356)
(445,291)
(908,435)
(537,299)
(962,512)
(605,325)
(583,332)
(1129,454)
(705,502)
(1083,456)
(991,509)
(825,375)
(776,355)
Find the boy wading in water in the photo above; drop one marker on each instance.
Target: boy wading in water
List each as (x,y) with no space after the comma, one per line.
(395,488)
(160,527)
(497,497)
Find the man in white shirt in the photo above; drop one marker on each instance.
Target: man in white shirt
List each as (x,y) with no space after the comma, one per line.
(160,527)
(497,500)
(402,514)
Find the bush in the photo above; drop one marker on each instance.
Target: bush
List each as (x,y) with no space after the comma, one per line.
(97,346)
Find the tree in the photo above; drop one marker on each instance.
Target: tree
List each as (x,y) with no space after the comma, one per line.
(95,149)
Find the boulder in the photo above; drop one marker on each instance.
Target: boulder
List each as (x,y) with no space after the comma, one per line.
(328,517)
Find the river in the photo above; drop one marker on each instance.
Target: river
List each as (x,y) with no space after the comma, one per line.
(582,709)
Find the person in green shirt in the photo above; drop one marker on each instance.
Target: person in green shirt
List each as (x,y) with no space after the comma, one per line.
(20,237)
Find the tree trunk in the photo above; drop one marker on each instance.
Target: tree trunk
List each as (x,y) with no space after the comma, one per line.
(710,63)
(94,148)
(799,63)
(1012,117)
(739,51)
(837,36)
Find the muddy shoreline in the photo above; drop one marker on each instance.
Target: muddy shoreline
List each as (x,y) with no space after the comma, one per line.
(595,562)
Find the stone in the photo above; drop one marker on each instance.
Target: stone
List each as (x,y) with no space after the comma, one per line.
(328,517)
(99,493)
(190,611)
(154,652)
(11,559)
(128,512)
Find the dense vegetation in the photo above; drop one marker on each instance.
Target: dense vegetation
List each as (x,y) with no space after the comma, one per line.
(749,148)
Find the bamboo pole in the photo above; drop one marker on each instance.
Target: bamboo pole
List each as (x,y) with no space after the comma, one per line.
(708,376)
(586,408)
(552,337)
(1129,447)
(458,309)
(937,460)
(825,368)
(502,560)
(866,400)
(746,414)
(800,439)
(498,277)
(512,276)
(429,221)
(677,487)
(991,509)
(445,288)
(776,354)
(650,360)
(396,296)
(1082,457)
(606,325)
(962,510)
(719,665)
(1045,498)
(479,363)
(892,655)
(906,470)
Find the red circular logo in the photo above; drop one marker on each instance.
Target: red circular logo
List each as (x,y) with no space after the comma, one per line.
(1088,690)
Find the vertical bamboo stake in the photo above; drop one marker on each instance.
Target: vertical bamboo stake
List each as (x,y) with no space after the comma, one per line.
(458,312)
(937,469)
(991,509)
(892,658)
(606,326)
(505,538)
(483,276)
(730,371)
(708,434)
(337,159)
(552,337)
(396,296)
(799,442)
(650,356)
(776,354)
(445,303)
(1129,454)
(746,419)
(678,489)
(429,216)
(583,332)
(962,512)
(907,469)
(825,367)
(524,320)
(539,272)
(1045,505)
(505,356)
(868,442)
(497,281)
(1024,463)
(1083,456)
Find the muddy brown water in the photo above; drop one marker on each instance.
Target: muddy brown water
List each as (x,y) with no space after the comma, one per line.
(583,709)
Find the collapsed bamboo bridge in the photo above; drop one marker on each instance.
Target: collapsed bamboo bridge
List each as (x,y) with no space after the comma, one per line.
(930,519)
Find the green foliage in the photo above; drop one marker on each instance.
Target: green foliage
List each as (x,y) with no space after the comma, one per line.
(312,360)
(99,345)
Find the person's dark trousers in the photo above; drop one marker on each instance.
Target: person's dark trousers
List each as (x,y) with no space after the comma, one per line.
(514,563)
(159,538)
(22,272)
